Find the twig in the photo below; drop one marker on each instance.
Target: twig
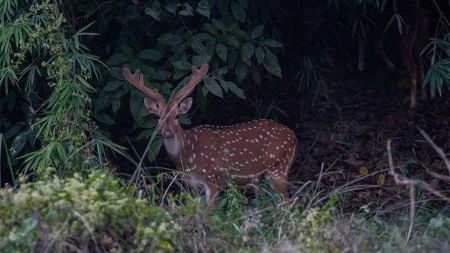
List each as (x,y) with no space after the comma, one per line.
(401,180)
(439,176)
(437,149)
(441,13)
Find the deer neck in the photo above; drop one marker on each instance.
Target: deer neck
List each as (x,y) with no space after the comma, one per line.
(176,146)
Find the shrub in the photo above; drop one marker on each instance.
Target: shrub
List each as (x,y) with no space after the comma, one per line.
(76,214)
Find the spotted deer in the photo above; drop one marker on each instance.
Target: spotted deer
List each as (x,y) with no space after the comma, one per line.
(207,155)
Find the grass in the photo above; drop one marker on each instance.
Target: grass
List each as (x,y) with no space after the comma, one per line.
(98,212)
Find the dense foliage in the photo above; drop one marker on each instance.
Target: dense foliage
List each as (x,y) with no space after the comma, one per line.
(50,68)
(69,121)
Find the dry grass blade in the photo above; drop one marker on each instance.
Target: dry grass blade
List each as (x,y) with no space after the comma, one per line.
(88,227)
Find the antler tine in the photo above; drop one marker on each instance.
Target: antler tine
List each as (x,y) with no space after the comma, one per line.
(137,80)
(197,76)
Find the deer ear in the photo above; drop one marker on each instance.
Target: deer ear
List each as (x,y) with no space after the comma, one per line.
(151,105)
(185,105)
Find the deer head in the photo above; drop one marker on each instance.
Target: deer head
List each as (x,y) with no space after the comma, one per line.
(156,104)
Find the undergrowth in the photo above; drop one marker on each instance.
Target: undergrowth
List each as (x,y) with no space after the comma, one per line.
(97,212)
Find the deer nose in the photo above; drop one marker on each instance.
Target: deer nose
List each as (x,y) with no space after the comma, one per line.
(167,134)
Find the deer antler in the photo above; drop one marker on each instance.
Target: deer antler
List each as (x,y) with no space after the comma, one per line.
(197,76)
(137,80)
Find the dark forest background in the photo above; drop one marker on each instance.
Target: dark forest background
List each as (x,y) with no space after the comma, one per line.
(357,80)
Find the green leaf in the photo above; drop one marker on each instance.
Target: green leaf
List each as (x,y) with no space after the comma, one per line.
(271,64)
(203,8)
(222,6)
(233,88)
(154,13)
(213,86)
(238,12)
(257,32)
(184,119)
(211,47)
(150,54)
(259,53)
(202,36)
(117,59)
(198,47)
(162,75)
(104,118)
(208,27)
(231,26)
(224,84)
(171,7)
(18,143)
(272,43)
(233,56)
(147,70)
(170,39)
(222,52)
(179,74)
(199,60)
(115,105)
(136,104)
(188,10)
(218,24)
(241,71)
(183,65)
(28,225)
(247,51)
(11,100)
(154,149)
(231,40)
(243,3)
(113,85)
(254,72)
(148,122)
(116,73)
(166,88)
(127,50)
(242,35)
(237,91)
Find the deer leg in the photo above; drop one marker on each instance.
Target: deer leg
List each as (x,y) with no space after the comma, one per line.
(212,190)
(278,179)
(280,185)
(278,173)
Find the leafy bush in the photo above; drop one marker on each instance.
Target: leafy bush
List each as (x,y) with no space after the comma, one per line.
(78,214)
(51,68)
